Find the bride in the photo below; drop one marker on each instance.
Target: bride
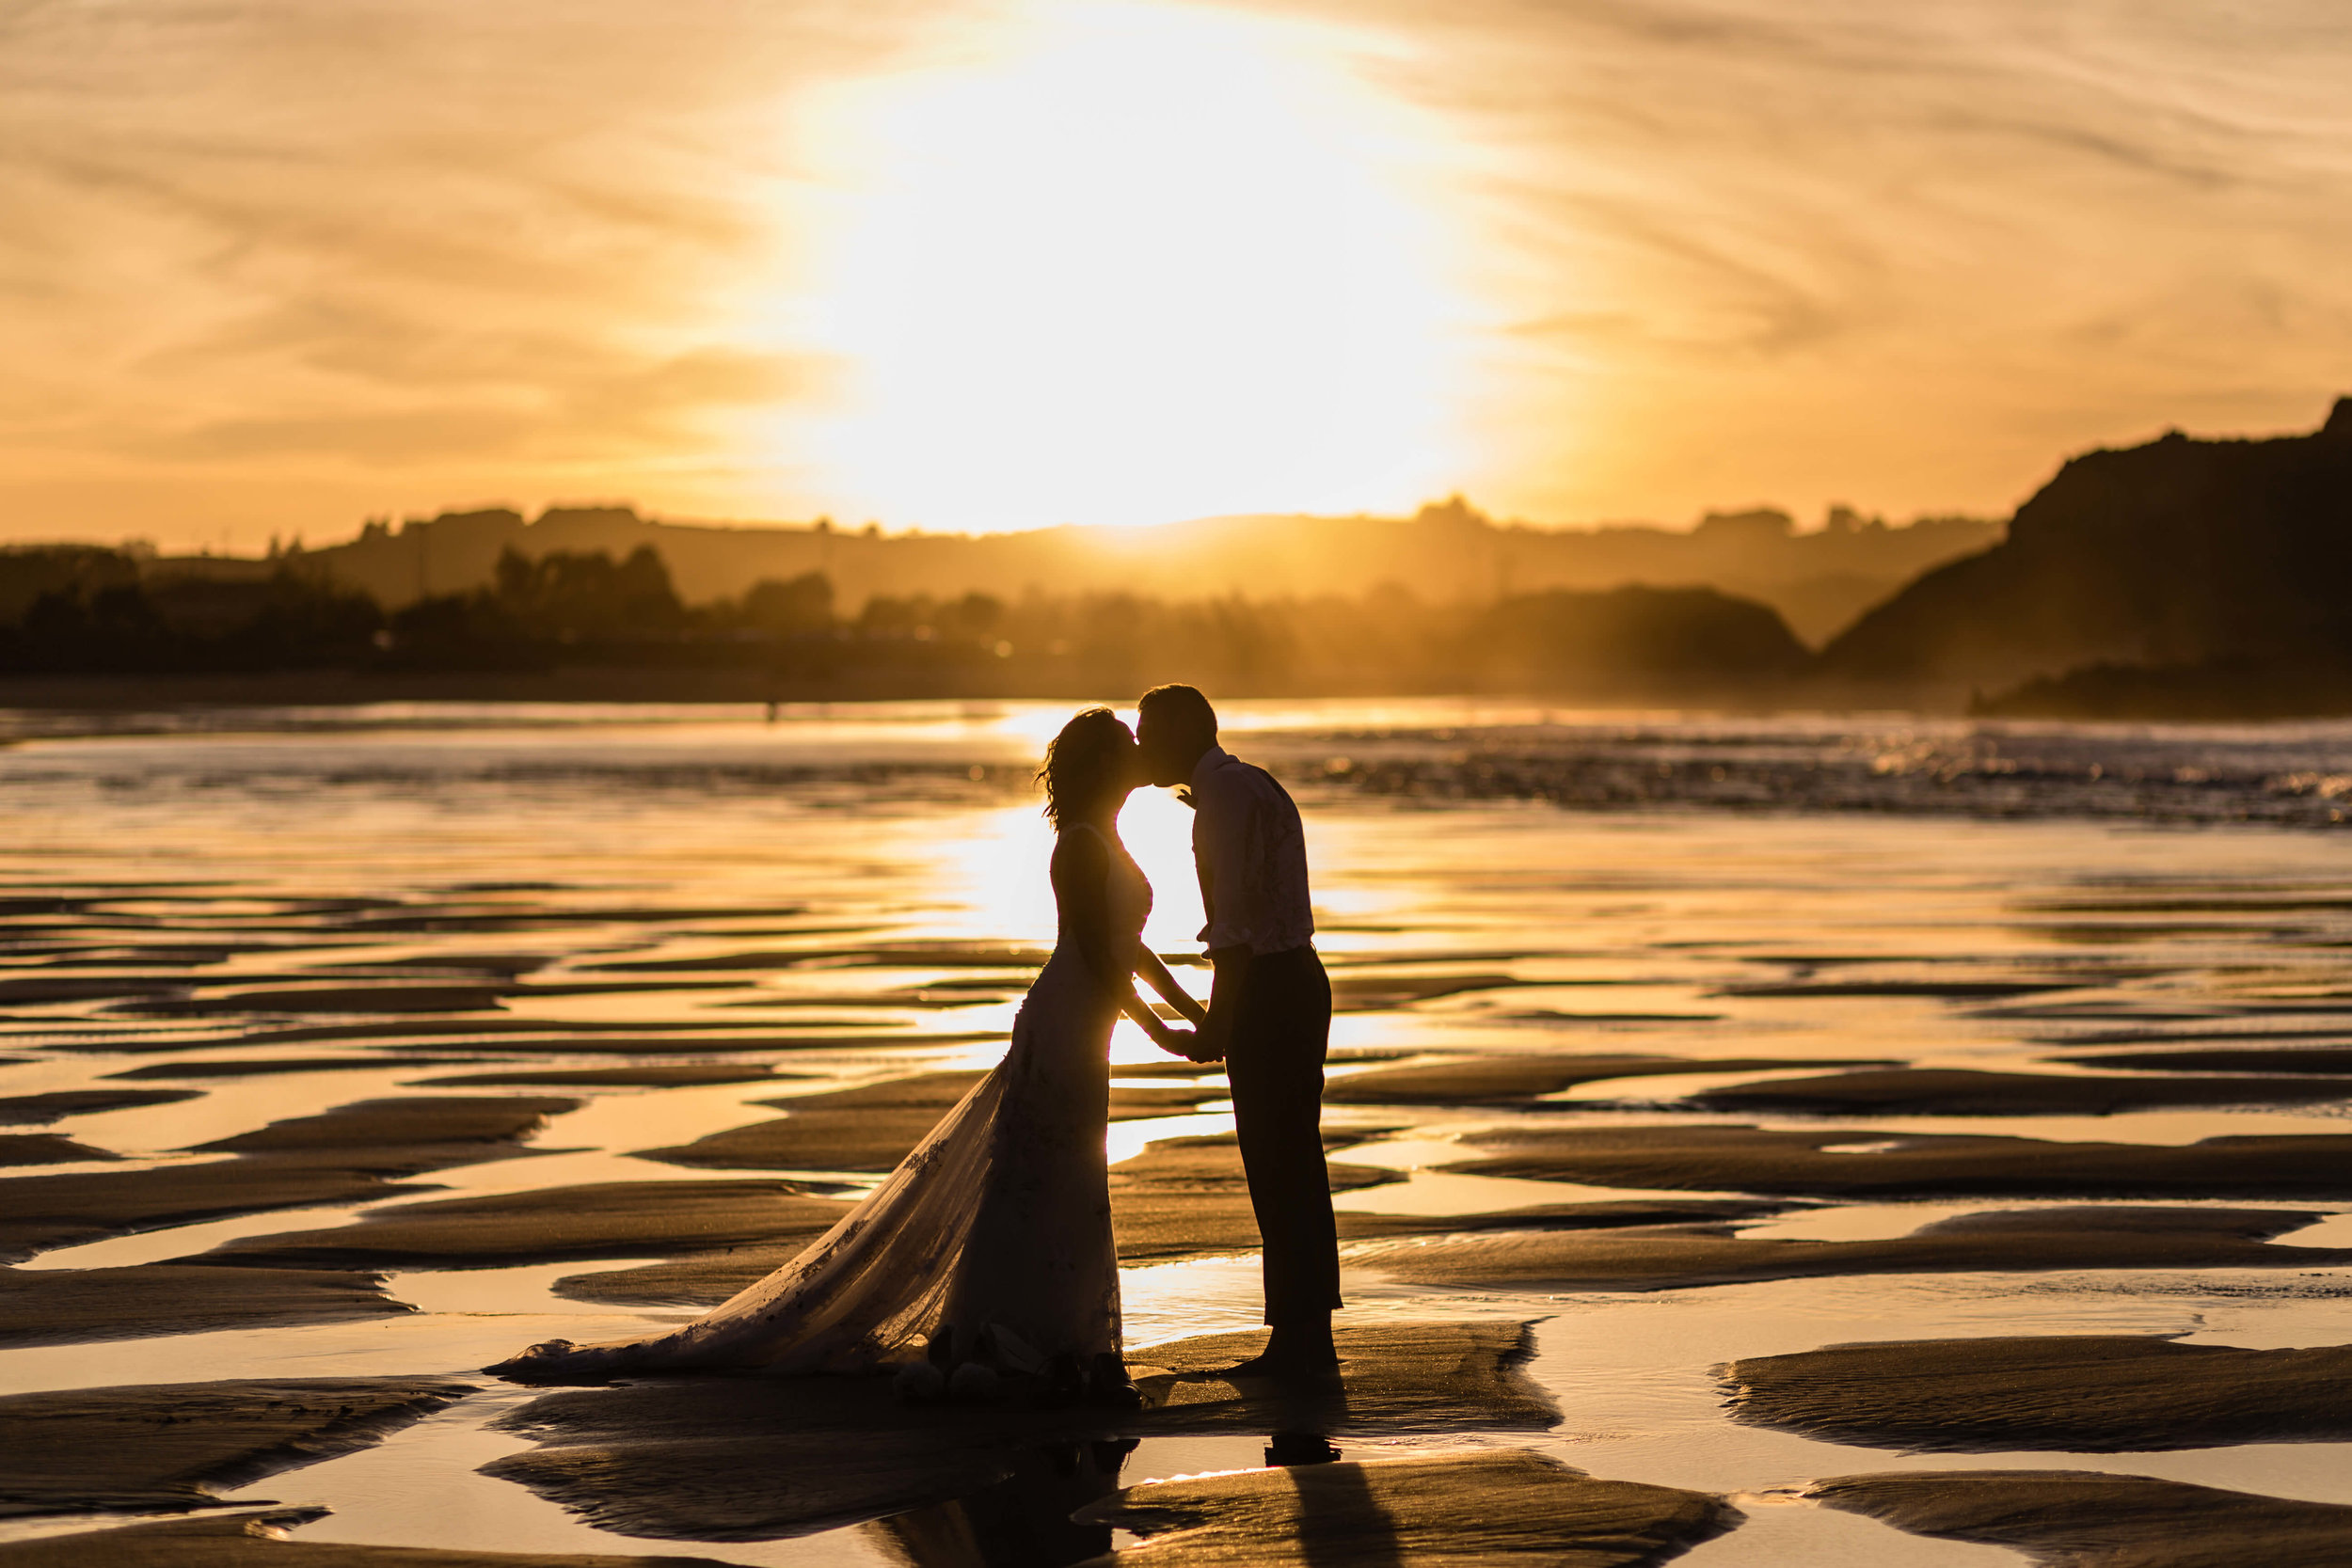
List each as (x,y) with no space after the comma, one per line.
(990,1247)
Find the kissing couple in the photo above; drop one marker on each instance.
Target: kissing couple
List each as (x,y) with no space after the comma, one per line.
(986,1258)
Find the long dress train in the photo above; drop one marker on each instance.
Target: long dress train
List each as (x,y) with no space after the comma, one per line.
(1000,1219)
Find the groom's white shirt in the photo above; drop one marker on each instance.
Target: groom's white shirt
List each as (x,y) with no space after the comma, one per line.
(1250,850)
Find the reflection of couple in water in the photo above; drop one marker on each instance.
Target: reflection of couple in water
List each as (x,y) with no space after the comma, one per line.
(984,1263)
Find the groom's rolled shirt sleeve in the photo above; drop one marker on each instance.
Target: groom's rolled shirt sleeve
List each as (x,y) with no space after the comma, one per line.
(1216,843)
(1251,849)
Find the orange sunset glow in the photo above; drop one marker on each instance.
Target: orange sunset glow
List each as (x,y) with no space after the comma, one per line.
(991,266)
(1175,784)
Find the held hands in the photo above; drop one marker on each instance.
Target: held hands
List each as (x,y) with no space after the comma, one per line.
(1195,1044)
(1191,1044)
(1187,1043)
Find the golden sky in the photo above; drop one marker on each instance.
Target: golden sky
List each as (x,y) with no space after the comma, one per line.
(270,268)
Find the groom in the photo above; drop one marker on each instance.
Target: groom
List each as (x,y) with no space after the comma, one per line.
(1269,1012)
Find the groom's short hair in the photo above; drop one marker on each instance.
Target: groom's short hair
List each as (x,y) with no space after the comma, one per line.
(1182,705)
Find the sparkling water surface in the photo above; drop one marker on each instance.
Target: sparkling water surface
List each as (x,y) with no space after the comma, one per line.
(1639,883)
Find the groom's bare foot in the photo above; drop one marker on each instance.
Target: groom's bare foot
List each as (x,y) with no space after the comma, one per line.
(1289,1364)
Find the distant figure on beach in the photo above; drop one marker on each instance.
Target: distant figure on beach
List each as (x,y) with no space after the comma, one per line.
(1269,1012)
(986,1258)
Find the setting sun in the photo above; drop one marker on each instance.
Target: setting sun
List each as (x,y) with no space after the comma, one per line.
(1140,263)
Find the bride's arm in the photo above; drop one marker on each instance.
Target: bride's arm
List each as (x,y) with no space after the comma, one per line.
(1079,865)
(1155,974)
(1177,1042)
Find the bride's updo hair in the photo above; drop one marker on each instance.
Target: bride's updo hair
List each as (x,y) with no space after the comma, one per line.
(1093,754)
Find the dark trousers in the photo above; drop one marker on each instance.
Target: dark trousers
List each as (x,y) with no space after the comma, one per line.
(1281,1013)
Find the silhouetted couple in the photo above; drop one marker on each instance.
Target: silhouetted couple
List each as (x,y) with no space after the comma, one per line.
(986,1258)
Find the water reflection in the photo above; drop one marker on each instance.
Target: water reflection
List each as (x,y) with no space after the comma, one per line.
(1022,1521)
(1027,1520)
(1340,1523)
(1286,1448)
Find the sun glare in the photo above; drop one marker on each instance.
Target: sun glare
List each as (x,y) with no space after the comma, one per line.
(1141,264)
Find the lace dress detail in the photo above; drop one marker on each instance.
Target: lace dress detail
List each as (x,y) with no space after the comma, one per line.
(1000,1219)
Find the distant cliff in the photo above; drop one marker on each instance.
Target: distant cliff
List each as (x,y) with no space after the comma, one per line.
(2196,564)
(1818,580)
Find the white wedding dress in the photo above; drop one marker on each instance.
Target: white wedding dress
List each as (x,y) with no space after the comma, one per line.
(1000,1220)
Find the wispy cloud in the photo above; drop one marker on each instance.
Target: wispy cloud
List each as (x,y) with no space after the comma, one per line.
(503,248)
(385,253)
(1907,254)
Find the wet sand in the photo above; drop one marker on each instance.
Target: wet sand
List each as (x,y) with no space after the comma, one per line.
(604,1220)
(37,1109)
(338,1156)
(2307,1058)
(1679,1256)
(1520,1080)
(1180,1198)
(2024,1139)
(2088,1395)
(649,1075)
(872,1128)
(1517,1507)
(45,1148)
(178,1446)
(1877,1162)
(55,1306)
(2081,1519)
(727,1459)
(260,1540)
(1967,1092)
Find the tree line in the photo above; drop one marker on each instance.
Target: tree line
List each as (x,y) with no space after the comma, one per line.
(86,612)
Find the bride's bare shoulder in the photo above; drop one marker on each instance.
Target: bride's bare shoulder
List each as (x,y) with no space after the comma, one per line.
(1078,849)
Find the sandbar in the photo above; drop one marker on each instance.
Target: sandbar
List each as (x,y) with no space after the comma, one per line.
(2298,1058)
(61,1306)
(1674,1257)
(47,1148)
(663,1075)
(2087,1394)
(552,1223)
(889,954)
(1372,993)
(1946,991)
(490,1030)
(346,1155)
(1860,1161)
(1506,1506)
(391,1124)
(257,1068)
(1507,1080)
(39,1110)
(330,999)
(1967,1092)
(2088,1519)
(257,1541)
(150,1447)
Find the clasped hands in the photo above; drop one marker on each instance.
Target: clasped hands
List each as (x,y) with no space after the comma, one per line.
(1187,1043)
(1193,1045)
